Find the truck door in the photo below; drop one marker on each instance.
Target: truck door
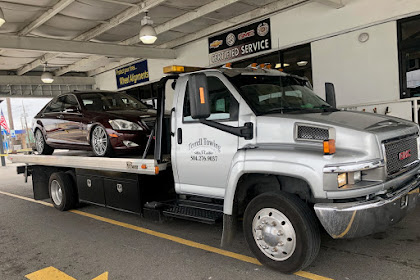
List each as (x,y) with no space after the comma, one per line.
(203,154)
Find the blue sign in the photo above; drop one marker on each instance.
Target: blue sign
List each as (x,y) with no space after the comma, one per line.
(132,75)
(12,133)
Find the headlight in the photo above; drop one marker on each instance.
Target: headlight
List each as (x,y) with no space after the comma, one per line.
(124,125)
(350,178)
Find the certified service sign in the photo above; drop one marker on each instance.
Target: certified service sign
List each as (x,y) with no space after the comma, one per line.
(246,40)
(132,75)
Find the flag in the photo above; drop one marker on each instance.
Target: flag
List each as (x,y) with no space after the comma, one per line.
(3,122)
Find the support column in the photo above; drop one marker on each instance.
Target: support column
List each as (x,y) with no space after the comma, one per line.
(11,124)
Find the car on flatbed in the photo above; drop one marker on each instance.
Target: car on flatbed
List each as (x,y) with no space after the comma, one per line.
(107,123)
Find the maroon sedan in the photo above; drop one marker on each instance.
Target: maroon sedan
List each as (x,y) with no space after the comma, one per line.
(101,121)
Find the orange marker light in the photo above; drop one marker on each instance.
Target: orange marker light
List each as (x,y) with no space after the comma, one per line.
(228,65)
(262,65)
(113,135)
(202,100)
(143,166)
(156,170)
(329,147)
(268,66)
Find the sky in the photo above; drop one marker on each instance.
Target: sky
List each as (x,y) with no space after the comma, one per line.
(32,107)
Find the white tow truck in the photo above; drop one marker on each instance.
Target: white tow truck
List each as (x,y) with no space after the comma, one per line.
(253,145)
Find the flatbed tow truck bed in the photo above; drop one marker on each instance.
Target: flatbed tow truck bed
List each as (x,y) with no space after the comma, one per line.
(86,160)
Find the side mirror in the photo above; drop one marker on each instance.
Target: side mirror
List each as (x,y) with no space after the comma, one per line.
(199,96)
(330,94)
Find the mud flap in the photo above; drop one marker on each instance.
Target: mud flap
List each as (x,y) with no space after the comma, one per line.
(229,230)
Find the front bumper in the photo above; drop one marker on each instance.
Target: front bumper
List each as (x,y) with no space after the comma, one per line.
(357,219)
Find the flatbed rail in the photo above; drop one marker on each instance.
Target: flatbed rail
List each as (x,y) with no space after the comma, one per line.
(127,165)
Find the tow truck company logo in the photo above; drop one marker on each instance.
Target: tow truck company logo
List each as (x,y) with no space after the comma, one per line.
(248,34)
(230,39)
(215,44)
(263,29)
(404,155)
(204,150)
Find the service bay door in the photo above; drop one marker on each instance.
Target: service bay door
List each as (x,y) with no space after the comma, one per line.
(204,154)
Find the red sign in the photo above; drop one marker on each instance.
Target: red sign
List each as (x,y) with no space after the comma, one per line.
(404,154)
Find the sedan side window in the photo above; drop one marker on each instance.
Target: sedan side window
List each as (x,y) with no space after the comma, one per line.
(222,103)
(70,101)
(55,106)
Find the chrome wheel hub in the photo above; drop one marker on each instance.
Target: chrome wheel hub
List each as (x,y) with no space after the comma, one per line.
(39,141)
(99,140)
(56,192)
(274,234)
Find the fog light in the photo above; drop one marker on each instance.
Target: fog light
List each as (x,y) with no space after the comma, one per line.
(342,179)
(130,144)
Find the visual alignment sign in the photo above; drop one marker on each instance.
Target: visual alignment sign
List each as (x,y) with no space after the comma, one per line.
(250,39)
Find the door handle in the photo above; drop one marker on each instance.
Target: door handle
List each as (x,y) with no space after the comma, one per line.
(179,135)
(60,117)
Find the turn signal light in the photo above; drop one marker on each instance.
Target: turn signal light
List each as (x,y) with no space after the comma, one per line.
(329,147)
(156,170)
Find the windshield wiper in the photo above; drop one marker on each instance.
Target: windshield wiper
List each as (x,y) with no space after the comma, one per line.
(283,109)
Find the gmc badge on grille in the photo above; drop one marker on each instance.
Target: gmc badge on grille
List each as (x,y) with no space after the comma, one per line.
(404,155)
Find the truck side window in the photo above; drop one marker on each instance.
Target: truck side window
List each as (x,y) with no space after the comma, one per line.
(223,105)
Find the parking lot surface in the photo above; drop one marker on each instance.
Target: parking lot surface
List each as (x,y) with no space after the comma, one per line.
(98,243)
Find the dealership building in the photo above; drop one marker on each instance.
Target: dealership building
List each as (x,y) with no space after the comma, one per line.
(370,50)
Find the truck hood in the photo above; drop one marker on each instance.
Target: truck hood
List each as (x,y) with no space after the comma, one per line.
(383,126)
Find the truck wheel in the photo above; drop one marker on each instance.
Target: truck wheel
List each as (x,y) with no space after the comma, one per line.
(41,146)
(281,231)
(62,191)
(100,143)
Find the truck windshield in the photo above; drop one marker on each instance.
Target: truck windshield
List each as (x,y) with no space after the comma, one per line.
(274,94)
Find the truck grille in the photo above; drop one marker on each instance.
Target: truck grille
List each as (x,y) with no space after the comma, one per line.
(399,153)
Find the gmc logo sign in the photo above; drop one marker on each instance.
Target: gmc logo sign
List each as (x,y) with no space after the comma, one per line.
(404,155)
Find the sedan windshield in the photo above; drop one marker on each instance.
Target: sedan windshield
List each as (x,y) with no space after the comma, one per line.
(110,101)
(273,94)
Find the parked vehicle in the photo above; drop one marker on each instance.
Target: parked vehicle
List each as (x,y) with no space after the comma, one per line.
(107,123)
(256,146)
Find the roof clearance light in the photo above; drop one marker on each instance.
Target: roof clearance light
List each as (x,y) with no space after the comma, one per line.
(329,147)
(178,69)
(147,32)
(2,18)
(228,66)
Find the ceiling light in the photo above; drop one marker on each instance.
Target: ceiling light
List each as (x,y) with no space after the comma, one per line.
(302,63)
(47,77)
(278,65)
(147,32)
(2,19)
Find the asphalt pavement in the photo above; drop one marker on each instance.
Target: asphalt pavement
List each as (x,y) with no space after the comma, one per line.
(35,237)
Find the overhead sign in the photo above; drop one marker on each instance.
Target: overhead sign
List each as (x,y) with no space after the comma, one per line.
(250,39)
(13,133)
(132,75)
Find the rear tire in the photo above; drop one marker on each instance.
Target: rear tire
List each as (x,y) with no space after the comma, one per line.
(99,141)
(62,191)
(281,231)
(41,146)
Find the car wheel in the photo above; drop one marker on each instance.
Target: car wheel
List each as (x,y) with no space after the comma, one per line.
(62,191)
(281,231)
(100,143)
(41,146)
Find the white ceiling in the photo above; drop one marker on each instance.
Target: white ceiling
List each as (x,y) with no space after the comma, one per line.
(72,18)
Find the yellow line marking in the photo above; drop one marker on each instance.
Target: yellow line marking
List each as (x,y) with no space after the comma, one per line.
(415,191)
(103,276)
(348,226)
(179,240)
(49,273)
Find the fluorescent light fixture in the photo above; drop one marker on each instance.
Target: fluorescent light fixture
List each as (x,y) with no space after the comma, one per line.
(278,65)
(147,32)
(2,19)
(302,63)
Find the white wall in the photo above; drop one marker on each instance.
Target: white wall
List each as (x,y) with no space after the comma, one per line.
(361,72)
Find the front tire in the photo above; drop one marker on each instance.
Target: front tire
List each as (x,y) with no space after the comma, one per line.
(281,231)
(41,146)
(99,140)
(62,191)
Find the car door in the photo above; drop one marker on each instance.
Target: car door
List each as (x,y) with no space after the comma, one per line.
(51,120)
(73,125)
(204,154)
